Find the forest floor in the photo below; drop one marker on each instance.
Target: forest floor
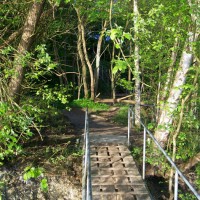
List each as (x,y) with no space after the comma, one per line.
(58,155)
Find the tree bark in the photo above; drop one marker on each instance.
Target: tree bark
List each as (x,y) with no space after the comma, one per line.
(137,65)
(190,163)
(81,56)
(170,70)
(86,54)
(163,92)
(24,46)
(166,116)
(98,56)
(88,63)
(113,75)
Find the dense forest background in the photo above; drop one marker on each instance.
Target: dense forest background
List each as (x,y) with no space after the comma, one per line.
(55,51)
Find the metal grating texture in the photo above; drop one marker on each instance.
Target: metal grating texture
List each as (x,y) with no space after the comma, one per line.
(115,175)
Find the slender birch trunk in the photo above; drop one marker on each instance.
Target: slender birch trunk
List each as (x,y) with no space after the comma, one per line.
(86,54)
(83,67)
(98,56)
(113,76)
(163,92)
(24,46)
(88,63)
(137,65)
(166,116)
(168,80)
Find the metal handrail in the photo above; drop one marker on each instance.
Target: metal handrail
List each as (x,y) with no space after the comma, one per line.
(177,171)
(86,172)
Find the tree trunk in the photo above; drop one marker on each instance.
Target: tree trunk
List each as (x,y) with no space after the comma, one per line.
(170,70)
(88,63)
(166,116)
(190,163)
(86,54)
(137,65)
(163,93)
(98,56)
(113,76)
(81,56)
(24,46)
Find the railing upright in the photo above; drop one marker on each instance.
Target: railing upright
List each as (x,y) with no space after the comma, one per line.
(144,154)
(86,176)
(129,125)
(176,186)
(177,171)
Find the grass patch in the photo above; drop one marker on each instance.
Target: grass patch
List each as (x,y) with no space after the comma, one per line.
(87,103)
(122,116)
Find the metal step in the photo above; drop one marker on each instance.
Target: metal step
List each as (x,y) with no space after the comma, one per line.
(115,175)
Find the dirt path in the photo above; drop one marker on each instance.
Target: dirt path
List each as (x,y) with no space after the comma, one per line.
(100,128)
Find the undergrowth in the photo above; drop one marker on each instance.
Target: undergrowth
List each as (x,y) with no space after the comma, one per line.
(121,116)
(87,103)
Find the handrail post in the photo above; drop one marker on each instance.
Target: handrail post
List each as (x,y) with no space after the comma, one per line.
(84,163)
(132,116)
(176,186)
(89,184)
(86,180)
(144,154)
(129,127)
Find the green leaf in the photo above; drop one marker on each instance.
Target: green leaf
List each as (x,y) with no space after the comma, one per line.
(115,70)
(115,33)
(44,184)
(120,65)
(26,176)
(117,46)
(127,35)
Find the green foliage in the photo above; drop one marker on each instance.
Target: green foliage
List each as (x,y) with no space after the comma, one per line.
(197,170)
(151,126)
(1,189)
(35,173)
(57,95)
(137,152)
(44,185)
(40,66)
(87,103)
(18,123)
(122,116)
(188,138)
(119,65)
(12,15)
(128,85)
(187,196)
(156,159)
(117,33)
(32,172)
(15,126)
